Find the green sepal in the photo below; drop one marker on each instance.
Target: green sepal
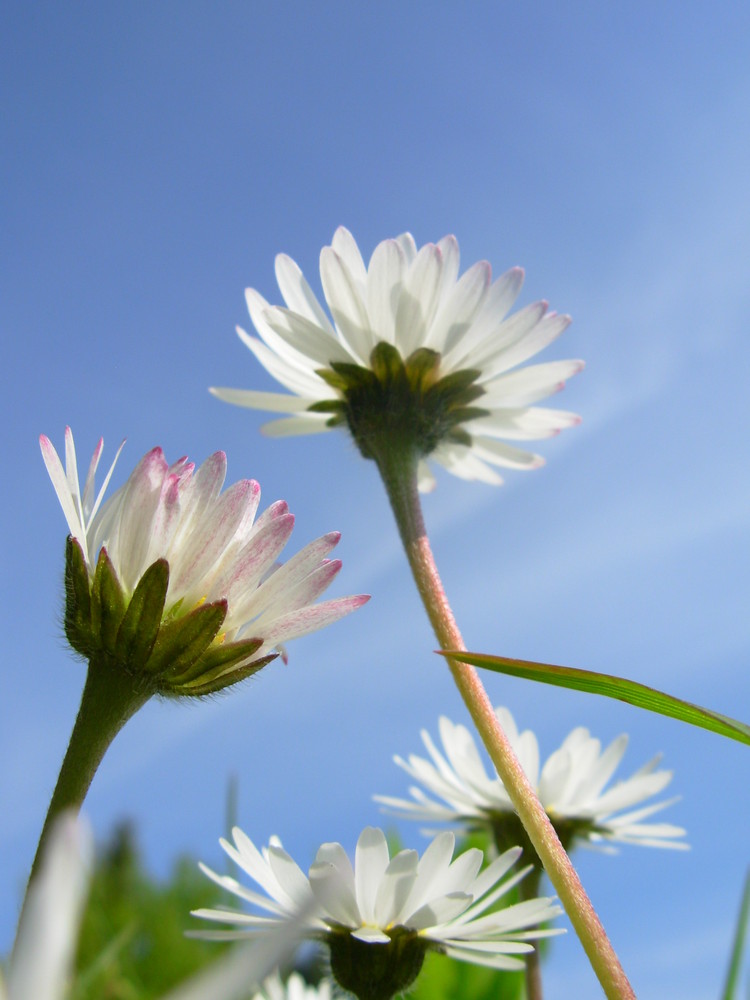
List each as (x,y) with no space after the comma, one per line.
(221,679)
(422,367)
(386,363)
(457,435)
(327,406)
(108,604)
(333,378)
(450,396)
(77,599)
(140,626)
(456,382)
(401,405)
(354,375)
(461,414)
(182,641)
(216,659)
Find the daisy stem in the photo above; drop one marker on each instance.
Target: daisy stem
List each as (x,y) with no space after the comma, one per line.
(398,468)
(110,697)
(529,889)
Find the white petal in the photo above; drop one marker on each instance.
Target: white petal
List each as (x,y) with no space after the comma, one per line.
(309,339)
(297,293)
(458,308)
(505,455)
(276,402)
(395,888)
(301,622)
(502,359)
(208,542)
(384,278)
(530,384)
(371,935)
(459,460)
(60,483)
(528,424)
(418,300)
(494,961)
(408,247)
(347,307)
(448,247)
(298,567)
(344,244)
(499,299)
(332,883)
(439,911)
(310,423)
(295,357)
(371,860)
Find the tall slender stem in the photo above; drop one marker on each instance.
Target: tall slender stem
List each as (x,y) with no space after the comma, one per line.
(110,697)
(528,889)
(398,468)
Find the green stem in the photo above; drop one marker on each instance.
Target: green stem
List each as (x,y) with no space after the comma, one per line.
(529,889)
(110,697)
(398,468)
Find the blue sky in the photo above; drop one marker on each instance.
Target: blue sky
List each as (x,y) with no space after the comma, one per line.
(156,158)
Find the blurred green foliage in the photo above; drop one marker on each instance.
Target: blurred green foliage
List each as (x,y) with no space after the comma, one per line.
(132,944)
(445,979)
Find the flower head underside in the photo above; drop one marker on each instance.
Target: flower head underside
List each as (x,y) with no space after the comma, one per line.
(413,356)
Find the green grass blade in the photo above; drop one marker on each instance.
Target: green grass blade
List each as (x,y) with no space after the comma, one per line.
(611,687)
(734,971)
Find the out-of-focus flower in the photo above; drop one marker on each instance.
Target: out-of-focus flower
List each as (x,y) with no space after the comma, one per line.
(176,581)
(572,787)
(40,963)
(295,988)
(381,915)
(414,354)
(42,955)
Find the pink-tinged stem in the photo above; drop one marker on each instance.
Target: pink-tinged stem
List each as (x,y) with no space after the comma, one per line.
(399,473)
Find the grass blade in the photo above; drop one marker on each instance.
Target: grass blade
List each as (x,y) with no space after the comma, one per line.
(611,687)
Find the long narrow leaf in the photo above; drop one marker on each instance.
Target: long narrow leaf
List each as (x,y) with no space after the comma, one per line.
(735,963)
(612,687)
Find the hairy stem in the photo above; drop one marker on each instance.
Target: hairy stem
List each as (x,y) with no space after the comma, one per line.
(110,697)
(398,468)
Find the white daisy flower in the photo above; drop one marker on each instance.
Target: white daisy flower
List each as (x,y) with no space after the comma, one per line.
(42,955)
(380,915)
(572,786)
(180,579)
(411,350)
(295,988)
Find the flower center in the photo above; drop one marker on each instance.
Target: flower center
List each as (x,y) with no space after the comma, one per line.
(404,402)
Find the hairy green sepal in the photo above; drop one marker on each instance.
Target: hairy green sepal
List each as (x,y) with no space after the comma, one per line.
(170,653)
(402,402)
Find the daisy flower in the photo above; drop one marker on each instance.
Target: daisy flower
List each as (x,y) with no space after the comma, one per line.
(295,988)
(454,786)
(380,915)
(41,961)
(42,955)
(178,580)
(412,352)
